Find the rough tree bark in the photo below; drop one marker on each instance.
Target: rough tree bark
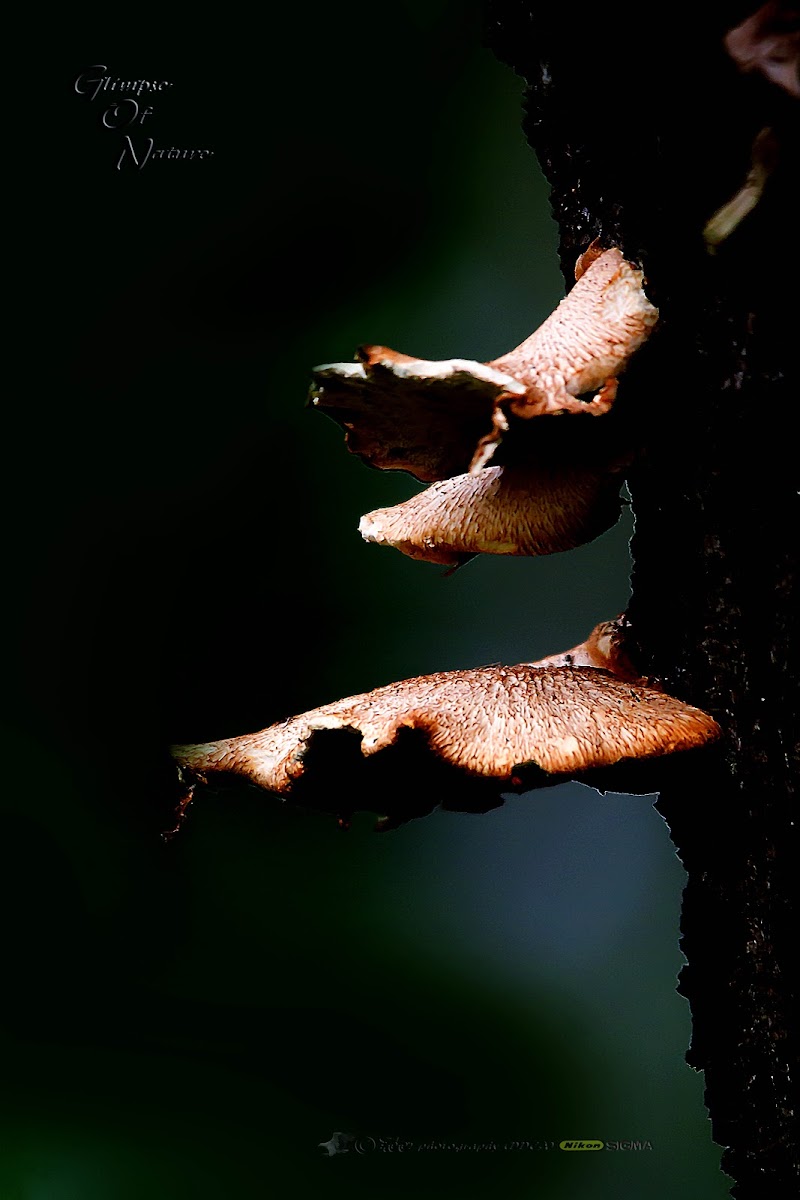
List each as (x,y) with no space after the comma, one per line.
(643,127)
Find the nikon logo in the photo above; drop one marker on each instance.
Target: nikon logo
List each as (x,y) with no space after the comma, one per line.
(578,1145)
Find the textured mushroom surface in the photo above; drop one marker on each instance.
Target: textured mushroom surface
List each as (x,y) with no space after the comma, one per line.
(489,723)
(439,419)
(501,510)
(585,343)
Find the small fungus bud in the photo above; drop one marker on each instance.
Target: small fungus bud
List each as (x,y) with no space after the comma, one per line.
(603,650)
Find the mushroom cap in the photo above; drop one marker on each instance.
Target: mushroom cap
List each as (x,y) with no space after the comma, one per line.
(501,510)
(586,342)
(439,419)
(504,725)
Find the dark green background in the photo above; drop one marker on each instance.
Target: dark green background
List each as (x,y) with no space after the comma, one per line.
(190,1020)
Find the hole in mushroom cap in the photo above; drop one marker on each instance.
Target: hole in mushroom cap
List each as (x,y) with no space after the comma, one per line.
(405,780)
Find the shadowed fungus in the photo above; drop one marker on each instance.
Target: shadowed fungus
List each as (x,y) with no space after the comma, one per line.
(767,43)
(443,422)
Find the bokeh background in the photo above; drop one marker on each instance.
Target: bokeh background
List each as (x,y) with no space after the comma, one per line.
(191,1020)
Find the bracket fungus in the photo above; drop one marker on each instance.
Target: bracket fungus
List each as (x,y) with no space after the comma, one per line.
(443,422)
(439,419)
(462,737)
(502,510)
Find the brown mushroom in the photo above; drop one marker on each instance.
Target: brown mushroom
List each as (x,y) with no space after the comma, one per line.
(506,728)
(439,419)
(501,510)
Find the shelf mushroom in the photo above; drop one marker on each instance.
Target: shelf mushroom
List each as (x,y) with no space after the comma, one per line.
(501,510)
(444,421)
(439,419)
(463,737)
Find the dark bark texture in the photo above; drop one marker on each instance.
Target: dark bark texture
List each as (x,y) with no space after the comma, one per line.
(643,126)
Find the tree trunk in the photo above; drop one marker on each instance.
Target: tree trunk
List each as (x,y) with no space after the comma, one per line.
(643,134)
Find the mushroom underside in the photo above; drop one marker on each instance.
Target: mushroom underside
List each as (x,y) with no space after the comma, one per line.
(502,510)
